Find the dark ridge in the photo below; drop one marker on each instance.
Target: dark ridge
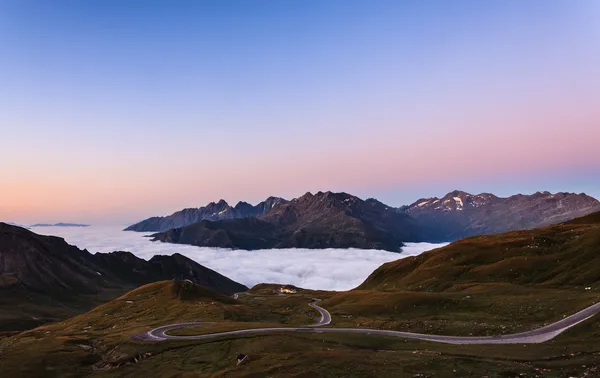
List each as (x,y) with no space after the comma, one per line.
(44,279)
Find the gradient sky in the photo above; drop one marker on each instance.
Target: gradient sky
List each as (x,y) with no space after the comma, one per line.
(112,111)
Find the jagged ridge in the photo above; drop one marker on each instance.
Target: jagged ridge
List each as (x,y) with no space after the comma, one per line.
(213,211)
(322,220)
(459,214)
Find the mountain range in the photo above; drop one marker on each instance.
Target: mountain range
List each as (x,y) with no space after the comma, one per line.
(60,224)
(42,278)
(341,220)
(214,211)
(459,214)
(48,225)
(322,220)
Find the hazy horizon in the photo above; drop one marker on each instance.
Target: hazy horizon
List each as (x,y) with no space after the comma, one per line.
(114,111)
(109,222)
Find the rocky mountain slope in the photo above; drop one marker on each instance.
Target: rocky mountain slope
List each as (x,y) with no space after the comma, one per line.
(322,220)
(279,222)
(42,278)
(459,214)
(213,211)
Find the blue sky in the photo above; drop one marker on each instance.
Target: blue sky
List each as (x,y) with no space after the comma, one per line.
(116,110)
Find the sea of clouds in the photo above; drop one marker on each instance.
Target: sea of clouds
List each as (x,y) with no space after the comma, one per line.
(326,269)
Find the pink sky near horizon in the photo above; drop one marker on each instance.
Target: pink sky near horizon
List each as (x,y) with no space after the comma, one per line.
(127,192)
(102,121)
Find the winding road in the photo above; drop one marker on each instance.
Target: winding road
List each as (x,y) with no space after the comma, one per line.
(325,315)
(538,335)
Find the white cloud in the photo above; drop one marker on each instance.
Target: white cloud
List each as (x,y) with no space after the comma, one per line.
(326,269)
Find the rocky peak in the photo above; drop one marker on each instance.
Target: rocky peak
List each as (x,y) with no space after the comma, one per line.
(458,193)
(331,199)
(273,201)
(456,200)
(242,206)
(375,204)
(268,204)
(305,196)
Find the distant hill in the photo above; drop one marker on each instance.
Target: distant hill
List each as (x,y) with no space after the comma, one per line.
(213,211)
(42,278)
(459,214)
(559,256)
(59,225)
(128,268)
(322,220)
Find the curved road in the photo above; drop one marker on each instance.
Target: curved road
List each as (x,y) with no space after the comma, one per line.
(325,315)
(538,335)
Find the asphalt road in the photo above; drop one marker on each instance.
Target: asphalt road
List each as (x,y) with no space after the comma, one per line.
(325,315)
(539,335)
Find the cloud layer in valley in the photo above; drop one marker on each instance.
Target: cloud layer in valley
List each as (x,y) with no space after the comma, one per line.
(326,269)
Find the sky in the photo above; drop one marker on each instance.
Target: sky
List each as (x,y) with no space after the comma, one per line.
(112,111)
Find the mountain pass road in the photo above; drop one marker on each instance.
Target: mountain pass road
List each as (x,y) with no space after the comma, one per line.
(538,335)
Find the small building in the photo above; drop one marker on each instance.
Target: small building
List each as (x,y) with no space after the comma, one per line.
(241,358)
(286,290)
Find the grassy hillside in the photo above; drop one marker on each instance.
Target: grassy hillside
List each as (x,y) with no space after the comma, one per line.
(492,284)
(565,255)
(101,339)
(593,218)
(486,285)
(99,343)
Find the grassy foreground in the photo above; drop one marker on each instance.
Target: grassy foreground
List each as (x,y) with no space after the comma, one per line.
(99,343)
(478,286)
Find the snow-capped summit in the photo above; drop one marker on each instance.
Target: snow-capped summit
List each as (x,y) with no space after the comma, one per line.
(459,214)
(453,201)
